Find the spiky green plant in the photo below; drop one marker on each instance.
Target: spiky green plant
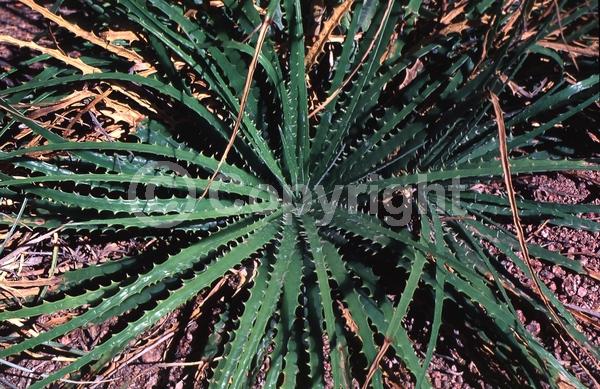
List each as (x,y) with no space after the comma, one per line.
(401,100)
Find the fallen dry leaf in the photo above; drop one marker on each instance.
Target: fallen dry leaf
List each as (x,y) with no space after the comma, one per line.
(80,32)
(54,53)
(111,36)
(411,74)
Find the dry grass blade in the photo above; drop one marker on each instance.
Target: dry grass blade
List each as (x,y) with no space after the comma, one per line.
(90,37)
(339,90)
(13,227)
(10,257)
(238,121)
(455,28)
(512,200)
(31,283)
(326,31)
(88,107)
(36,374)
(452,14)
(507,30)
(39,110)
(54,53)
(511,192)
(562,35)
(375,364)
(575,51)
(118,111)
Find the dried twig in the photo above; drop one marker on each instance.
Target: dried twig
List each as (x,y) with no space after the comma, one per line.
(519,227)
(375,365)
(511,192)
(238,121)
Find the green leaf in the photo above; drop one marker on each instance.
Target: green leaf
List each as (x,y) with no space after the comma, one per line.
(175,299)
(485,169)
(316,251)
(174,265)
(254,322)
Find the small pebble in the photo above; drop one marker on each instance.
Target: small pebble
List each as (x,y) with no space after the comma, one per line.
(534,327)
